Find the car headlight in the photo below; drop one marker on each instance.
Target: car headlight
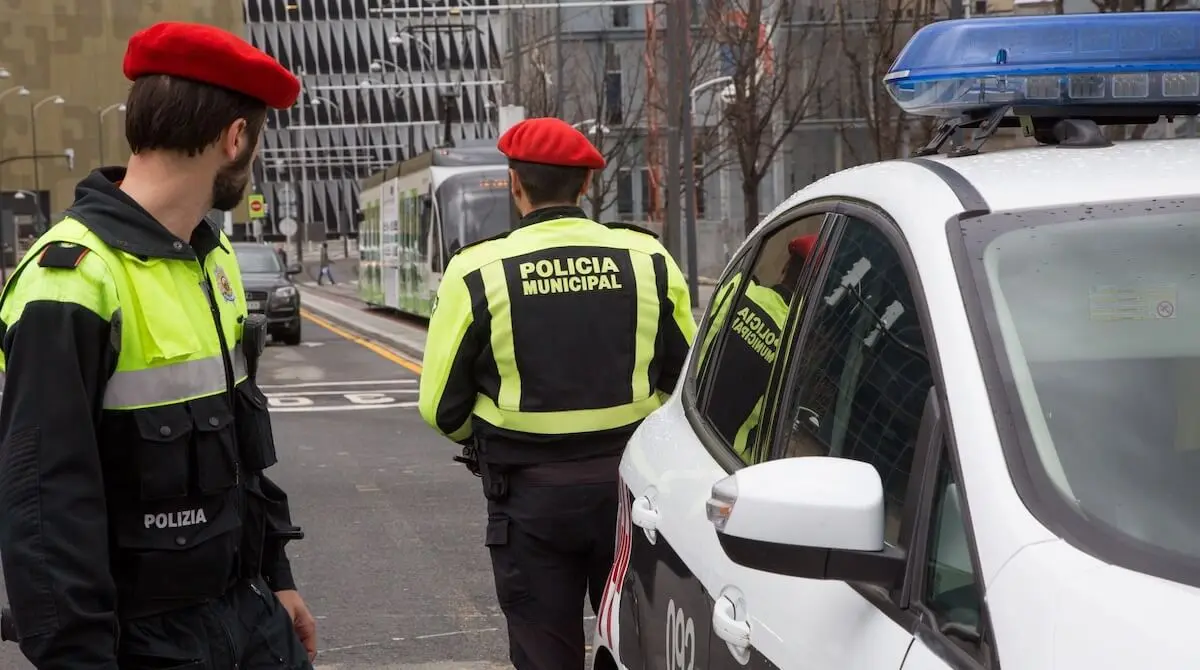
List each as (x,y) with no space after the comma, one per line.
(285,291)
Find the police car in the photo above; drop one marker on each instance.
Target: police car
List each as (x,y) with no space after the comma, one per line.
(971,437)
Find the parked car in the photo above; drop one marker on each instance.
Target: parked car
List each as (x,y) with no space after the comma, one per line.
(969,438)
(270,291)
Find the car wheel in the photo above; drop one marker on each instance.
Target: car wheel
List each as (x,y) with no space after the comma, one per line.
(291,336)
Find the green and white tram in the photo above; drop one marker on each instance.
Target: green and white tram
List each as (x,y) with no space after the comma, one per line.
(417,213)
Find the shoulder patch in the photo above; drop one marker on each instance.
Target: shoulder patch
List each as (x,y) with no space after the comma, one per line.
(630,226)
(63,255)
(498,236)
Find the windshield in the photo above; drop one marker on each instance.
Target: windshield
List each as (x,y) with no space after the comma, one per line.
(1094,316)
(478,204)
(258,260)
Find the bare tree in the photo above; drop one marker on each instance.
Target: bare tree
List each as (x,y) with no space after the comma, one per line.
(776,60)
(869,36)
(1134,5)
(602,96)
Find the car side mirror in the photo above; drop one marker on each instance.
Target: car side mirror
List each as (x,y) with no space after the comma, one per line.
(294,269)
(812,517)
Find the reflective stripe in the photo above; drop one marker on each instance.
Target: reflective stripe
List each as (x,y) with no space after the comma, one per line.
(646,332)
(566,422)
(503,348)
(178,382)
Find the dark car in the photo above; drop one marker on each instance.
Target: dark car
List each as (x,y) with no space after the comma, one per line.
(269,290)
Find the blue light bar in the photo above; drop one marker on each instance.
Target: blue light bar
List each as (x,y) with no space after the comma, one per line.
(1147,59)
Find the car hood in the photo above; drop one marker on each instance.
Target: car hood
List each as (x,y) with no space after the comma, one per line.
(263,282)
(1054,606)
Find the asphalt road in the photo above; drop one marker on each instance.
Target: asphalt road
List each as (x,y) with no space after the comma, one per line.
(393,564)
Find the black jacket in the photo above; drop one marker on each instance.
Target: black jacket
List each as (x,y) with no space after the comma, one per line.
(73,491)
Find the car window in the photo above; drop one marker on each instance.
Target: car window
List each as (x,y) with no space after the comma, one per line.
(951,591)
(255,260)
(750,310)
(862,376)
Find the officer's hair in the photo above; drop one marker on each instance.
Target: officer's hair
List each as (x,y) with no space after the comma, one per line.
(173,114)
(545,184)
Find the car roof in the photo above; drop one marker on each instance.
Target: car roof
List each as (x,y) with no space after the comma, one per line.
(1012,179)
(1047,176)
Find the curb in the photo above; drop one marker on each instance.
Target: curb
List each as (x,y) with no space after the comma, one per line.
(406,340)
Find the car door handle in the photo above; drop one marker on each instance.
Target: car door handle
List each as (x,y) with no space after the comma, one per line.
(727,625)
(644,516)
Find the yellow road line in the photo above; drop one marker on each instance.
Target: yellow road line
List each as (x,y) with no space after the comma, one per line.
(365,343)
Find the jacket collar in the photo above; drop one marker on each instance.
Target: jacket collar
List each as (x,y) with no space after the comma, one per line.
(123,224)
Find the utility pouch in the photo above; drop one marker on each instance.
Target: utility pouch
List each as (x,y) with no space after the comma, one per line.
(495,477)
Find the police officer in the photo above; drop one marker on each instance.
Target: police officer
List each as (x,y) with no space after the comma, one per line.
(136,527)
(547,347)
(753,336)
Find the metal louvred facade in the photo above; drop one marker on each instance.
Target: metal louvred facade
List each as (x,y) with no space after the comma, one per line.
(377,76)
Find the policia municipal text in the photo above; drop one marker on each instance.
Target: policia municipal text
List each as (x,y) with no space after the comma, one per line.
(137,530)
(547,347)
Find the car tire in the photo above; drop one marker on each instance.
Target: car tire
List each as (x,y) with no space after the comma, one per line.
(292,336)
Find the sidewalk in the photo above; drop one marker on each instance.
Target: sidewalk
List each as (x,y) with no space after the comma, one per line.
(340,303)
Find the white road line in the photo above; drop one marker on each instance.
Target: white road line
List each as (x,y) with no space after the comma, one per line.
(305,385)
(306,394)
(341,408)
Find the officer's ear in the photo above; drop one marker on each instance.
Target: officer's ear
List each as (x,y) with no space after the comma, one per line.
(515,186)
(233,140)
(587,185)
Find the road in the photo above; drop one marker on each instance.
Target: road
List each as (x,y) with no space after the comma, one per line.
(393,565)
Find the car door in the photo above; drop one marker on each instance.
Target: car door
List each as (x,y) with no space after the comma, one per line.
(855,387)
(665,557)
(955,632)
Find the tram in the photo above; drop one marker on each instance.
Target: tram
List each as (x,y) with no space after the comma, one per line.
(417,213)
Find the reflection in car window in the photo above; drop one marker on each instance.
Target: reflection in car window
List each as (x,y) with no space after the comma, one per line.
(863,375)
(1099,321)
(258,260)
(951,591)
(752,312)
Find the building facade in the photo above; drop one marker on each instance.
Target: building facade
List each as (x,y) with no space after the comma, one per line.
(62,90)
(613,78)
(382,81)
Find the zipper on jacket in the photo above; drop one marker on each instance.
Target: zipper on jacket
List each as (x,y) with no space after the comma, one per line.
(230,389)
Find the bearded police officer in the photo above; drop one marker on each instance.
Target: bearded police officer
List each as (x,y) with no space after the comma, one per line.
(136,527)
(547,346)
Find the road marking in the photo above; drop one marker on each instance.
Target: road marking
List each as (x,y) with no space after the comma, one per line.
(346,393)
(340,408)
(370,382)
(365,343)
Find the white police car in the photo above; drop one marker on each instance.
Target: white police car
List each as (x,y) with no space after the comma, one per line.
(976,442)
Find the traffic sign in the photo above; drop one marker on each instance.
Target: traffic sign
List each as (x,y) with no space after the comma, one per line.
(288,226)
(258,205)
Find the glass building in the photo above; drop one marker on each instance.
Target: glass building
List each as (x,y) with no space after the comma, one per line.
(383,80)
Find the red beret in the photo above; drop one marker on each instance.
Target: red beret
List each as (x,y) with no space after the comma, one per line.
(802,246)
(550,141)
(210,55)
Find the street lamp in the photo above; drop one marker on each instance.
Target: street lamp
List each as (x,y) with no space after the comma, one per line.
(378,63)
(50,99)
(19,90)
(449,95)
(722,142)
(398,39)
(593,126)
(118,106)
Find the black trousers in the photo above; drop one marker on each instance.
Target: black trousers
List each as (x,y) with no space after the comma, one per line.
(247,629)
(550,546)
